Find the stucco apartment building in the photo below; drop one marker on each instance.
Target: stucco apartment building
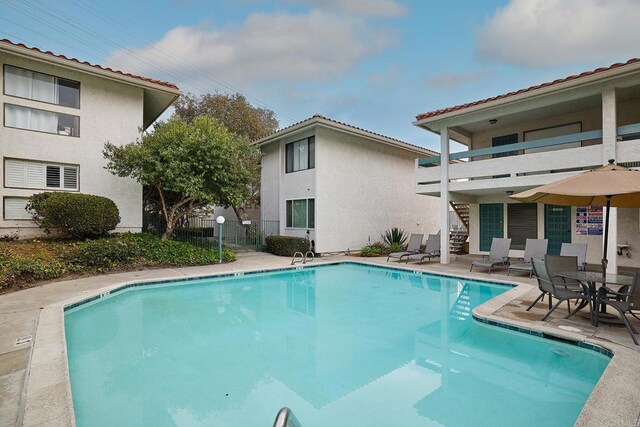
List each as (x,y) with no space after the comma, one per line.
(341,186)
(57,113)
(532,137)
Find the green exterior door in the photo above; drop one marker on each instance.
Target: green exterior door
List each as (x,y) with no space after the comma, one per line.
(557,227)
(491,224)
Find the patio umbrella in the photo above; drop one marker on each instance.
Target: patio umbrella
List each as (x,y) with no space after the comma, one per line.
(610,185)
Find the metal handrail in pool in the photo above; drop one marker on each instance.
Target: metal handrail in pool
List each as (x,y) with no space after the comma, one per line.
(285,418)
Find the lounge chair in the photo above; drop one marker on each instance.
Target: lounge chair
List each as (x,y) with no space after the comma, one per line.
(432,250)
(623,301)
(576,249)
(498,255)
(555,264)
(415,241)
(557,289)
(534,248)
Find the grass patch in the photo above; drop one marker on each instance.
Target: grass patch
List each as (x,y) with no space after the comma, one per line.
(24,262)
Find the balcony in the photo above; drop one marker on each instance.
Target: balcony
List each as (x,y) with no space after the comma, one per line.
(476,172)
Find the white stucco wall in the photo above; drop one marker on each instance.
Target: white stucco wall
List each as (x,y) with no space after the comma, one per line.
(361,188)
(277,186)
(270,183)
(365,188)
(629,232)
(109,111)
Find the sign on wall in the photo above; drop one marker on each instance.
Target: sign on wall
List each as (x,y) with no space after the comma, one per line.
(589,221)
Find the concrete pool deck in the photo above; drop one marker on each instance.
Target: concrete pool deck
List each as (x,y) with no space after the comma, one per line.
(34,384)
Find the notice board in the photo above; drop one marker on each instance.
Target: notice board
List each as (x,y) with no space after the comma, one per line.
(589,220)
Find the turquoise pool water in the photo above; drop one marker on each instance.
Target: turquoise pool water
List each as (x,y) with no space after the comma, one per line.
(342,345)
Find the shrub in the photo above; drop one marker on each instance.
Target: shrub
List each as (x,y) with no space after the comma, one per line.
(74,214)
(105,253)
(396,247)
(22,269)
(394,235)
(286,245)
(375,249)
(154,250)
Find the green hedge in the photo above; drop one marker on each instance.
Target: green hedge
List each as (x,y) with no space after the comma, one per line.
(44,259)
(143,249)
(74,215)
(285,245)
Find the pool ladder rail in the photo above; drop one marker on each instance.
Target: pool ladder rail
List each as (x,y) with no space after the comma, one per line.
(285,418)
(299,257)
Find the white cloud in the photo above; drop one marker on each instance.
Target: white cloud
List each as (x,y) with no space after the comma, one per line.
(264,48)
(549,32)
(452,79)
(381,8)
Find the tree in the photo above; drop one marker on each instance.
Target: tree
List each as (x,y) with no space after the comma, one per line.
(187,165)
(241,118)
(233,111)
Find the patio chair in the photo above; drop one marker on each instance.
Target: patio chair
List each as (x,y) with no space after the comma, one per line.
(432,250)
(554,265)
(415,241)
(576,249)
(557,289)
(623,301)
(534,248)
(498,255)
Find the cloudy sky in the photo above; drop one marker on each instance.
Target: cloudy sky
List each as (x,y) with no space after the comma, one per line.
(375,64)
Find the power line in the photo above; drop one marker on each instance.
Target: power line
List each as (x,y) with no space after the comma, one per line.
(132,55)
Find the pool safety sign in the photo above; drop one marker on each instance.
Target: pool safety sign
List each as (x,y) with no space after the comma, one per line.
(589,220)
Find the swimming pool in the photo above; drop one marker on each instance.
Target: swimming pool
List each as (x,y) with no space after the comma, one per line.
(343,344)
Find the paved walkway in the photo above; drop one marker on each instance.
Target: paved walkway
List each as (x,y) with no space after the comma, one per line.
(34,387)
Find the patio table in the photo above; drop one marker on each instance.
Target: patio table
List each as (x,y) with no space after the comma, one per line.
(594,280)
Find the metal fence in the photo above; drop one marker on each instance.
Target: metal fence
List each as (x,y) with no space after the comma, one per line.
(237,235)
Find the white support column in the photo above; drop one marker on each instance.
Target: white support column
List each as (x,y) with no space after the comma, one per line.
(444,196)
(609,124)
(609,145)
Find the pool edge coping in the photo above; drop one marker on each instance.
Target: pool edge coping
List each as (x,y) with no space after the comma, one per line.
(36,401)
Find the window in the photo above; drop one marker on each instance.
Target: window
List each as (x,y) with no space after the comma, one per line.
(15,208)
(301,155)
(29,174)
(301,213)
(41,87)
(16,116)
(522,223)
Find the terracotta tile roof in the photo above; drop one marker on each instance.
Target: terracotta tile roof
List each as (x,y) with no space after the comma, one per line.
(321,117)
(99,67)
(529,89)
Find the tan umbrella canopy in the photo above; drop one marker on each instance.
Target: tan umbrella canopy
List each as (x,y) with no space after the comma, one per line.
(610,185)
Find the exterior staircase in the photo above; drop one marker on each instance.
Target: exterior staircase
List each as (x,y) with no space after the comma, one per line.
(459,232)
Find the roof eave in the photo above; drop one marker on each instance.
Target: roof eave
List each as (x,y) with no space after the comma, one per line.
(531,94)
(318,121)
(85,68)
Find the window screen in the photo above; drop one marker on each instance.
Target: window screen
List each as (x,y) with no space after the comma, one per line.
(522,223)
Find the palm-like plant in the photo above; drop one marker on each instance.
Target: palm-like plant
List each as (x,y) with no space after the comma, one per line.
(395,236)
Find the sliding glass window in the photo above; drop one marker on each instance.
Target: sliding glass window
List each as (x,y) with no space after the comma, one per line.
(301,213)
(301,155)
(41,87)
(16,116)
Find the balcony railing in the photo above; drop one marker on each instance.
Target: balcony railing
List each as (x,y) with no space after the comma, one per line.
(526,168)
(528,145)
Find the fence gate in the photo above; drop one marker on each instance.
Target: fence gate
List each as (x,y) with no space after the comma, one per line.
(236,235)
